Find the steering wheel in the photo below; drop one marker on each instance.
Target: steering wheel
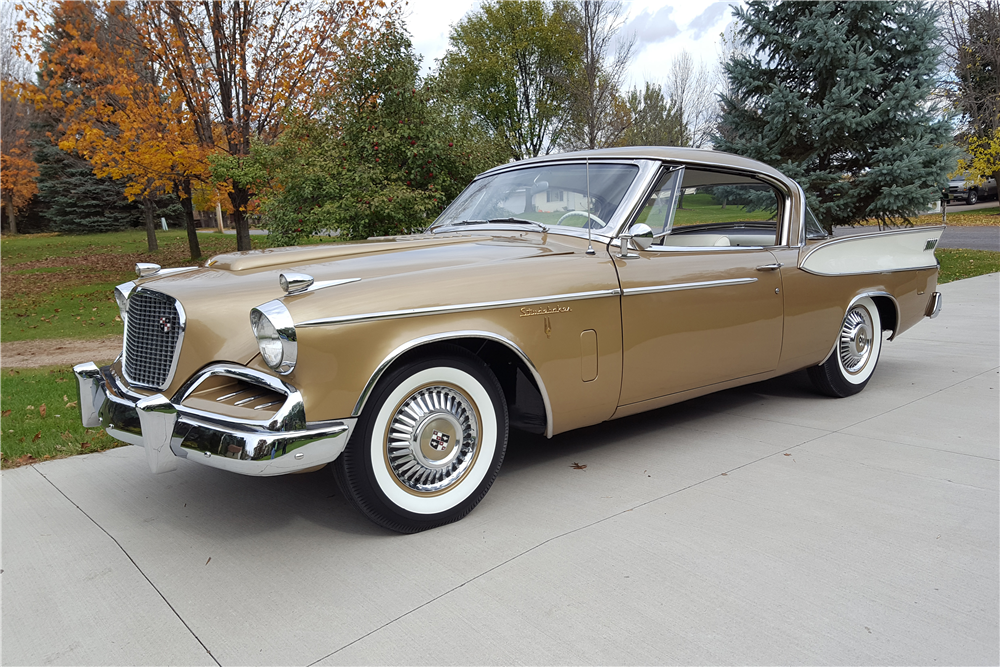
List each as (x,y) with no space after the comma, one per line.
(592,223)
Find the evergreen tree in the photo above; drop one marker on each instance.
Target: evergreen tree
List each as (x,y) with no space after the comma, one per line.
(74,200)
(836,95)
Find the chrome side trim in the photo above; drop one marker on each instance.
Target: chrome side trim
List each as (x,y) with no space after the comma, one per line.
(855,237)
(870,273)
(458,308)
(851,305)
(652,289)
(452,335)
(713,248)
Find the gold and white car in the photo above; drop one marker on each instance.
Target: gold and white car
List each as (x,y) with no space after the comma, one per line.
(552,294)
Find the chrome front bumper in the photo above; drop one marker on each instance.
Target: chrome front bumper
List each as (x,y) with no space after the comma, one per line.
(167,430)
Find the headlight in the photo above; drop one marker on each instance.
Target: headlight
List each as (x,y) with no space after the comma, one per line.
(275,331)
(122,294)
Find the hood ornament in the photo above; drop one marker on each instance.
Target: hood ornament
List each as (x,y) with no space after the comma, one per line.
(293,283)
(145,269)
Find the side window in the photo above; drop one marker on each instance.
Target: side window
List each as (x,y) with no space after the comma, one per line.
(713,209)
(658,210)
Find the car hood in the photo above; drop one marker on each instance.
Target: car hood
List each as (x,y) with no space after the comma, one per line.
(385,274)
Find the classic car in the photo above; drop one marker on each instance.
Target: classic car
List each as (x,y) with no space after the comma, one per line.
(967,189)
(552,294)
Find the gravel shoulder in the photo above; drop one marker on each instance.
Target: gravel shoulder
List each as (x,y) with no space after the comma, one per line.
(58,352)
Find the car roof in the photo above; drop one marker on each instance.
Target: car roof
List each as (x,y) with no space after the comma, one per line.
(694,156)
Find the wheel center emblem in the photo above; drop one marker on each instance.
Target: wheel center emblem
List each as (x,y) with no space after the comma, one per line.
(439,440)
(165,324)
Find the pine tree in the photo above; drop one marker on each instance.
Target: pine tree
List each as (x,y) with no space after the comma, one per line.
(836,95)
(74,200)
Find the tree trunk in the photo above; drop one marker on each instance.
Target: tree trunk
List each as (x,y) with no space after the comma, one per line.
(239,198)
(147,204)
(12,217)
(188,207)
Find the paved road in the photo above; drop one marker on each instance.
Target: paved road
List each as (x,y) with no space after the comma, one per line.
(762,525)
(958,207)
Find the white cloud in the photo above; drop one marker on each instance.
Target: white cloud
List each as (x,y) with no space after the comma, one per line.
(651,28)
(709,18)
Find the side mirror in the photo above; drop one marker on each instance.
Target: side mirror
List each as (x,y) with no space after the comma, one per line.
(641,235)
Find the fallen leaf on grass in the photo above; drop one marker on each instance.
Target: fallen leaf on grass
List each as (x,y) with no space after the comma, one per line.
(65,397)
(27,459)
(577,466)
(37,436)
(71,404)
(5,413)
(30,407)
(84,445)
(41,411)
(61,380)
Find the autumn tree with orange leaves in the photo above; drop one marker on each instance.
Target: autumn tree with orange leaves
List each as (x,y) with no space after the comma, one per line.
(165,84)
(17,168)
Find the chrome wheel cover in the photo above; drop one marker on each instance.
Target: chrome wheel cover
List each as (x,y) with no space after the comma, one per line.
(856,340)
(433,439)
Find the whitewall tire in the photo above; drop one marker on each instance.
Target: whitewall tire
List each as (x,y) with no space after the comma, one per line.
(847,370)
(428,445)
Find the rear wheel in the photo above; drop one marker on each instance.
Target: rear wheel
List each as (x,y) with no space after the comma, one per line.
(428,445)
(848,369)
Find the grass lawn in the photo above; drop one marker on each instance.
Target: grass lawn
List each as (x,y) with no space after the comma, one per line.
(957,264)
(60,286)
(40,418)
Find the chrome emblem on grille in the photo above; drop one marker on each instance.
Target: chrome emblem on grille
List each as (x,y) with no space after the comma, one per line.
(439,440)
(164,324)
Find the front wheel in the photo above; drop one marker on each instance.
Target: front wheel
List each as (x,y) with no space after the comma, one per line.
(848,369)
(428,445)
(972,197)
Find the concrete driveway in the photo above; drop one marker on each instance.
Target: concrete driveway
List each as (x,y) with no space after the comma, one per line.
(762,525)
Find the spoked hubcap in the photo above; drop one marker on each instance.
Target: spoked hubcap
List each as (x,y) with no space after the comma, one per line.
(856,340)
(433,439)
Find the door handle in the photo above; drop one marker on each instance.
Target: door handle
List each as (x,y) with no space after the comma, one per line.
(770,267)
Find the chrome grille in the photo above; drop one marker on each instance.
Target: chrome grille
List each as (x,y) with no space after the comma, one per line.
(152,334)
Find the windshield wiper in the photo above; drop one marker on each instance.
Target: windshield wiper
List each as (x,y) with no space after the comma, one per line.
(520,221)
(516,221)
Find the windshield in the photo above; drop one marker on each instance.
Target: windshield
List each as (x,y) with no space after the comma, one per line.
(545,195)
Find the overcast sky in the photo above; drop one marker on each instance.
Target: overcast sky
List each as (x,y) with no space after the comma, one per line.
(662,28)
